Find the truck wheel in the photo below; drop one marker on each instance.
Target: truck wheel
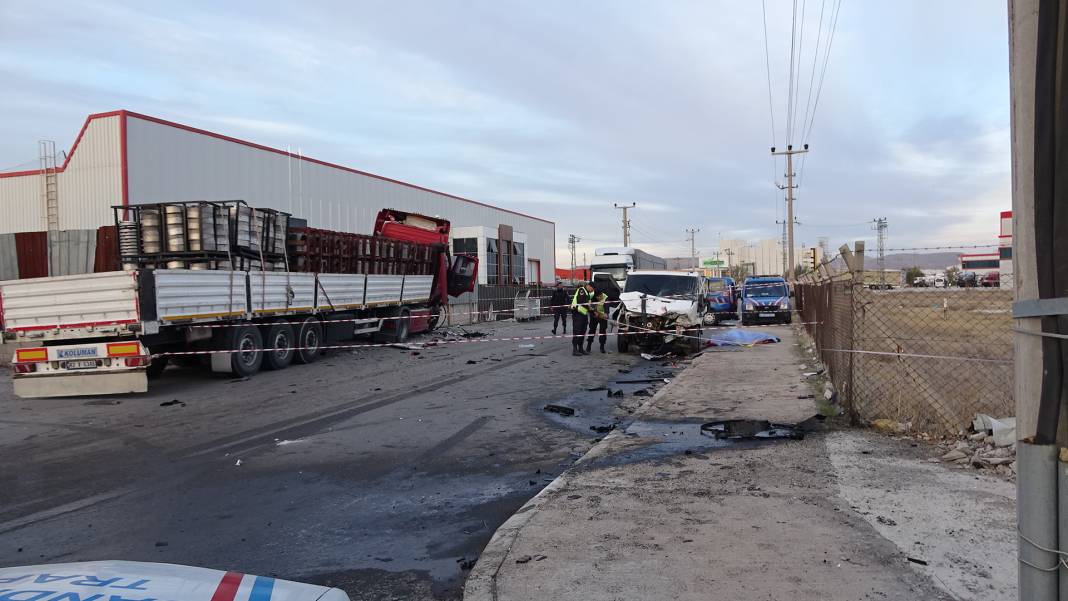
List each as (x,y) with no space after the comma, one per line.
(156,367)
(247,342)
(694,342)
(401,326)
(309,341)
(278,342)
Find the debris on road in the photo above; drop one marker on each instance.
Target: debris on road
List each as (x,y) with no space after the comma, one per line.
(738,429)
(917,561)
(282,443)
(561,409)
(603,429)
(172,403)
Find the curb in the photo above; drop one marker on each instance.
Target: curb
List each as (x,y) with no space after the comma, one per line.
(481,584)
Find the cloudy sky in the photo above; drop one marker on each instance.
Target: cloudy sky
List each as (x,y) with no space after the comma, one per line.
(561,108)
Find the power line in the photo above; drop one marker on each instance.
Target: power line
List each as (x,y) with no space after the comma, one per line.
(800,54)
(823,72)
(790,86)
(767,64)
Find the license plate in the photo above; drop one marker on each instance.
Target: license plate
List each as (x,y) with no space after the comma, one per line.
(766,314)
(78,365)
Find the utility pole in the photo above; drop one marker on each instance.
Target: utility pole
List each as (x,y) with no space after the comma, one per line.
(790,187)
(572,240)
(626,221)
(730,266)
(693,244)
(880,228)
(785,254)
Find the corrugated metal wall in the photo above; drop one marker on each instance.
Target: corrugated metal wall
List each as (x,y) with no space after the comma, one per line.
(92,182)
(22,204)
(170,164)
(89,185)
(71,252)
(9,259)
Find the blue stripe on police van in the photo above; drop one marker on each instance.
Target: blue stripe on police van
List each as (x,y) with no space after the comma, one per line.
(262,589)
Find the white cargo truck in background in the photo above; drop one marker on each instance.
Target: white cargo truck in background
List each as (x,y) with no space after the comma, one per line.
(106,333)
(618,261)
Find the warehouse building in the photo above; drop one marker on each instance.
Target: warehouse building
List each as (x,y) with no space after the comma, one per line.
(125,158)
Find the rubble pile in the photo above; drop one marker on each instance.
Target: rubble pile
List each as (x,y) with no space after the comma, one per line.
(990,444)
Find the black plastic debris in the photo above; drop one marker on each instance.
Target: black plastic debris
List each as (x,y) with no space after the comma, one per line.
(740,429)
(603,429)
(171,403)
(471,362)
(917,560)
(642,392)
(596,388)
(561,409)
(466,564)
(615,393)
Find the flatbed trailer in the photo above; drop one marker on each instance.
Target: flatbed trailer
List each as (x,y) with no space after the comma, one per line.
(107,333)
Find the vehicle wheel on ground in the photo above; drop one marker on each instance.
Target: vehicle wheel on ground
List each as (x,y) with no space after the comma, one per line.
(278,342)
(309,340)
(622,342)
(401,324)
(247,344)
(694,342)
(789,319)
(436,315)
(155,369)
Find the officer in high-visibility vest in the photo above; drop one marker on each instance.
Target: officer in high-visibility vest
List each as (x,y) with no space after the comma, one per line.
(598,319)
(580,310)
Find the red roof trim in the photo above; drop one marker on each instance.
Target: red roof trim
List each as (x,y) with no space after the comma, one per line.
(219,136)
(1005,214)
(74,146)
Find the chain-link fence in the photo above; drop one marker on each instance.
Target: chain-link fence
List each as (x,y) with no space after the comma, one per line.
(932,358)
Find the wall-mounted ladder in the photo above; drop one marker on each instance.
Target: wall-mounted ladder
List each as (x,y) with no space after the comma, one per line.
(49,183)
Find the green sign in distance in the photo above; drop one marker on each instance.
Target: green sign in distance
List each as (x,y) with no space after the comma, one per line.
(712,263)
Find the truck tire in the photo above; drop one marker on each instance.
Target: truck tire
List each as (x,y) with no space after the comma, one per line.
(309,341)
(694,343)
(156,367)
(247,344)
(401,326)
(278,342)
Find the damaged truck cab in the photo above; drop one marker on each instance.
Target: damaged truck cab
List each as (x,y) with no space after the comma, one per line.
(659,308)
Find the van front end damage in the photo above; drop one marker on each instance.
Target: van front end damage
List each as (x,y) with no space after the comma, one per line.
(650,322)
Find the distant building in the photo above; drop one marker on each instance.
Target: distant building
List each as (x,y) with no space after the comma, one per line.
(682,263)
(760,257)
(1005,249)
(993,262)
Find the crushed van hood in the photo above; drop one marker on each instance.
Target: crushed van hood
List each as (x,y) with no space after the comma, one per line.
(659,306)
(158,581)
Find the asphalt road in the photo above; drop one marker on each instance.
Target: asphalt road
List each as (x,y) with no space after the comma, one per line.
(382,471)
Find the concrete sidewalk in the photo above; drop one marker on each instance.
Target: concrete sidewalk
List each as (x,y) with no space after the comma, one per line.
(660,511)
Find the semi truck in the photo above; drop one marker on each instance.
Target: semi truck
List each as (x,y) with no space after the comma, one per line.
(620,260)
(107,333)
(886,279)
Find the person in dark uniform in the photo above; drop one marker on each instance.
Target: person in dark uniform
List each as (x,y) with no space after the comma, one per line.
(598,319)
(580,310)
(559,303)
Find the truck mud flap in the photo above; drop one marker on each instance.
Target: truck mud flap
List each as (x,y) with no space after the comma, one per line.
(84,384)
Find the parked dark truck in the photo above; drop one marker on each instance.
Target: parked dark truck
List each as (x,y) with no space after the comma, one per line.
(104,333)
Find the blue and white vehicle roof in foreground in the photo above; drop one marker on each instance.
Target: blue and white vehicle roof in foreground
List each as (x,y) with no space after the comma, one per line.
(142,581)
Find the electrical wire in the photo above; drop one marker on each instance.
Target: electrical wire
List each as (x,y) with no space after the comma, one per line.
(767,64)
(807,132)
(800,55)
(790,87)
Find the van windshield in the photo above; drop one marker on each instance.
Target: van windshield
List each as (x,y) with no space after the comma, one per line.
(618,272)
(662,285)
(717,285)
(766,289)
